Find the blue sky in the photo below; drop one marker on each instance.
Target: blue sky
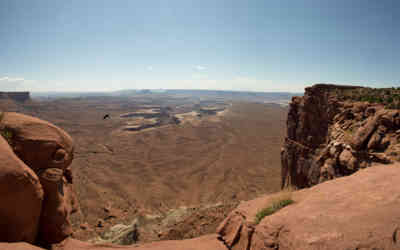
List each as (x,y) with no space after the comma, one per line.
(257,45)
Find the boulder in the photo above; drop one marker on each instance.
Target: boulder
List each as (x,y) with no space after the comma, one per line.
(375,141)
(38,143)
(360,140)
(48,151)
(359,107)
(347,159)
(328,170)
(21,197)
(370,111)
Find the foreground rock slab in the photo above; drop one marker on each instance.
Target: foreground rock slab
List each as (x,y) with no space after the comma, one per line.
(202,243)
(18,246)
(360,211)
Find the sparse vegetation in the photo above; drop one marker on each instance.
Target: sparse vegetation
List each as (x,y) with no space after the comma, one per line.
(390,97)
(282,199)
(348,133)
(7,134)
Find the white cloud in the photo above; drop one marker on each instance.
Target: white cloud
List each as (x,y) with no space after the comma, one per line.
(9,79)
(199,76)
(199,67)
(197,80)
(150,68)
(15,84)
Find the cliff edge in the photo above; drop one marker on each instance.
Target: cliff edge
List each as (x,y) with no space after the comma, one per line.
(16,96)
(334,130)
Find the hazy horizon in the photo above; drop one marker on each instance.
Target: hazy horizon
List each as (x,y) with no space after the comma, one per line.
(162,91)
(266,46)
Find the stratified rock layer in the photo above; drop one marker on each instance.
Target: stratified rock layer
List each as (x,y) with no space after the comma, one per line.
(330,135)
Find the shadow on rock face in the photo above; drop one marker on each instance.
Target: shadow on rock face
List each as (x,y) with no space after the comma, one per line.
(21,196)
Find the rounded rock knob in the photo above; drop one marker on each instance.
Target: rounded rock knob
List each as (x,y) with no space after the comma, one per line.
(60,155)
(52,174)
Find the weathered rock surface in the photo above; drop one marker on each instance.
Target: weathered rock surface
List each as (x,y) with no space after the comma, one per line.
(176,224)
(354,212)
(37,157)
(330,135)
(38,143)
(18,246)
(21,198)
(205,242)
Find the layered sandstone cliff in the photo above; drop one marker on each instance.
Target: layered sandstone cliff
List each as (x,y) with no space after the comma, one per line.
(16,96)
(331,133)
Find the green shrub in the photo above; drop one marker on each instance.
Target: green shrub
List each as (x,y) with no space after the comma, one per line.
(281,200)
(6,133)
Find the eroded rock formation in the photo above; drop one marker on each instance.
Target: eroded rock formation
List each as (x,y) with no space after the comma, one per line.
(331,134)
(35,181)
(20,190)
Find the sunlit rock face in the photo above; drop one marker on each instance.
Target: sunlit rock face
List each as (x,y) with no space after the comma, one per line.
(332,133)
(37,156)
(353,212)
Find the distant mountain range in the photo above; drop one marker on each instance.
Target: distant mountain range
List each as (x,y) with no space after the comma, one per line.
(219,94)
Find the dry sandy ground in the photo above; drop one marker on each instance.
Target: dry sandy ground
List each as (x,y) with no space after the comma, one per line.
(235,157)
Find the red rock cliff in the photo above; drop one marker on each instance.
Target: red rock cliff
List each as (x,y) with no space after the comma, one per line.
(330,133)
(16,96)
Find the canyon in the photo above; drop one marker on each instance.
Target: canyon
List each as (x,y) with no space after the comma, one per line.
(339,161)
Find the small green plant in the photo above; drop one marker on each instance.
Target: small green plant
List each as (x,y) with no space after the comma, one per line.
(6,133)
(282,200)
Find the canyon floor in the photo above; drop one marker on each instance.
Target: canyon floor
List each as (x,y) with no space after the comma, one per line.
(118,175)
